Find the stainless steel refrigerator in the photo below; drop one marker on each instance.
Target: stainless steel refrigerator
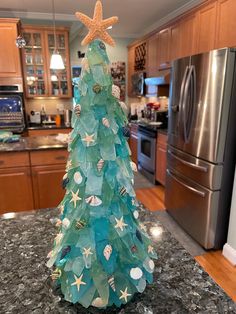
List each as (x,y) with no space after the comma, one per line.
(202,144)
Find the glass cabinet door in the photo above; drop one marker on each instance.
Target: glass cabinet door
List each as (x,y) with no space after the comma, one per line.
(59,80)
(34,64)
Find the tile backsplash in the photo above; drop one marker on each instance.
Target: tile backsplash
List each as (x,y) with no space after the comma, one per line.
(50,105)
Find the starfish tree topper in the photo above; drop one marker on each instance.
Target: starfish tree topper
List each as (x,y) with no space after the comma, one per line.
(97,26)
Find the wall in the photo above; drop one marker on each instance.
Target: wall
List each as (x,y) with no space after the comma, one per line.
(229,250)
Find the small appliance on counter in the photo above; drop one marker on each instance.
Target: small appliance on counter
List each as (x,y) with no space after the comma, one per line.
(11,107)
(35,117)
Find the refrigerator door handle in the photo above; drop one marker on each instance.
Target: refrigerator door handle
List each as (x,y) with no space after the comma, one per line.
(192,189)
(176,108)
(192,101)
(187,163)
(186,92)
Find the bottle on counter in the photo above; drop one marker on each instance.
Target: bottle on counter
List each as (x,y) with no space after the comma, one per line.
(58,118)
(43,114)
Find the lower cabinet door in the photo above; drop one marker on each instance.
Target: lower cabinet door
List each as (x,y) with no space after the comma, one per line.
(47,185)
(15,190)
(161,164)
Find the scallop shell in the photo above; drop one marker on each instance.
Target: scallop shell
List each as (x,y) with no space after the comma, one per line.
(107,251)
(106,122)
(136,214)
(66,222)
(133,166)
(136,273)
(77,177)
(98,302)
(116,91)
(77,109)
(100,164)
(112,283)
(93,200)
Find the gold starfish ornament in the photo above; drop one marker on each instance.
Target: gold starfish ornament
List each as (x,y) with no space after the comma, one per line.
(97,26)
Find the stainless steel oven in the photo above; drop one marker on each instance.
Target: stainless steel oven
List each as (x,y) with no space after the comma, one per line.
(147,152)
(12,117)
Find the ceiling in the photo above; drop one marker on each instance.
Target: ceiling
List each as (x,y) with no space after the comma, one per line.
(136,17)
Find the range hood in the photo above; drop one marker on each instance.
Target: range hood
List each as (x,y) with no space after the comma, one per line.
(163,79)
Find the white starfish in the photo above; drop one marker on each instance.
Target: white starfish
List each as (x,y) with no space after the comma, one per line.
(87,252)
(75,197)
(124,294)
(78,282)
(88,139)
(150,249)
(120,223)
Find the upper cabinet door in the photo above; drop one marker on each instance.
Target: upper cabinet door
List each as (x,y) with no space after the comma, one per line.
(188,35)
(226,24)
(59,81)
(152,44)
(206,27)
(163,55)
(35,64)
(10,65)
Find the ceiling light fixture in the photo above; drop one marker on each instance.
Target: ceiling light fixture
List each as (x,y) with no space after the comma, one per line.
(56,59)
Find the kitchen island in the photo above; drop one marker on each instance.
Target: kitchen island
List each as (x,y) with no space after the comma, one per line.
(180,284)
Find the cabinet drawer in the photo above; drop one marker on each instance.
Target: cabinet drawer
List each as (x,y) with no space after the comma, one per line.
(14,159)
(162,139)
(48,157)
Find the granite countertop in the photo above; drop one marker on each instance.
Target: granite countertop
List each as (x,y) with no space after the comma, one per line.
(34,126)
(180,284)
(33,143)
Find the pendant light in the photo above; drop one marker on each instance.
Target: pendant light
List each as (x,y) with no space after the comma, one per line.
(56,59)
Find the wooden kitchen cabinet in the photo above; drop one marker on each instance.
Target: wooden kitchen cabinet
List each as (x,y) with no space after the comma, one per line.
(48,168)
(48,132)
(152,65)
(15,182)
(48,191)
(163,53)
(39,79)
(161,150)
(133,142)
(130,69)
(10,61)
(226,24)
(206,30)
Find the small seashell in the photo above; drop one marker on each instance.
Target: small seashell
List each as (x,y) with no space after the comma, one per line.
(134,249)
(77,177)
(98,302)
(77,110)
(116,91)
(65,182)
(112,283)
(100,164)
(133,166)
(65,176)
(56,274)
(107,251)
(66,222)
(102,45)
(123,191)
(93,200)
(97,88)
(151,264)
(136,214)
(136,273)
(106,122)
(80,224)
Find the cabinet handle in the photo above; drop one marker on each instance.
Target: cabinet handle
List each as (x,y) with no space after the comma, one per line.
(60,157)
(2,162)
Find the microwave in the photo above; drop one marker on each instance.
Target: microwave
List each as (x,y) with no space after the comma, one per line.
(138,84)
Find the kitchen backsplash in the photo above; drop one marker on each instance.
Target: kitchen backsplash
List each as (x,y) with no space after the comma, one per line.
(50,105)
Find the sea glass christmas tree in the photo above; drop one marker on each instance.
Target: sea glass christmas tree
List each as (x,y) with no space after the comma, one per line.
(102,254)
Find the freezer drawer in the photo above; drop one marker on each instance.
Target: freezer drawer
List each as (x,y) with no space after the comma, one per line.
(194,207)
(204,173)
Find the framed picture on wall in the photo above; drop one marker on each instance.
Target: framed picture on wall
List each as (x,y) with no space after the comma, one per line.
(118,76)
(76,71)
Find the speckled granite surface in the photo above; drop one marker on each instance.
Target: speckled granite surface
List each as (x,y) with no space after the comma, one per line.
(33,143)
(180,285)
